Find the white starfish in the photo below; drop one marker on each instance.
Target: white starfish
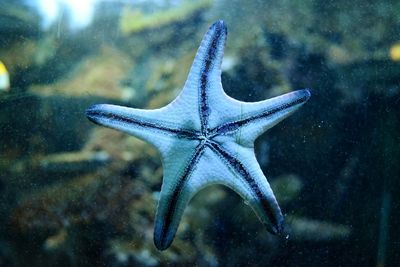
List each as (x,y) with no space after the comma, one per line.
(205,137)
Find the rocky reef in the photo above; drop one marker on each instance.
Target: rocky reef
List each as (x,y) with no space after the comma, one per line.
(74,194)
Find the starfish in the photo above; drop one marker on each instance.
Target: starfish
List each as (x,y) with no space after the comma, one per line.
(205,137)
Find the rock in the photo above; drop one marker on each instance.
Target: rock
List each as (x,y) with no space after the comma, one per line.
(134,20)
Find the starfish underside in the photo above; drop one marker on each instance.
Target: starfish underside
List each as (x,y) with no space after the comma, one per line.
(205,137)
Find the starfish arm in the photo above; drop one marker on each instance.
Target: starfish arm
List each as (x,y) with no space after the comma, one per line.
(177,188)
(204,76)
(154,126)
(250,183)
(249,120)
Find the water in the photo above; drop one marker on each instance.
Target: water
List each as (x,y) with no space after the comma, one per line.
(77,194)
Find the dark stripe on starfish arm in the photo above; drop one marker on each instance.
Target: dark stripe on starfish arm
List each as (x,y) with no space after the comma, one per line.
(274,216)
(161,240)
(217,33)
(232,126)
(96,114)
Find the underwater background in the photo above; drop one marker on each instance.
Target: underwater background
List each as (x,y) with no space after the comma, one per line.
(75,194)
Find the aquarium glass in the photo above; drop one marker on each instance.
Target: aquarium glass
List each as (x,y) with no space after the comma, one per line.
(76,193)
